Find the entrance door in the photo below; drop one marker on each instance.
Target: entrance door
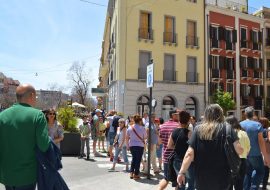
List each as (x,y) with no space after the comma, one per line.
(142,105)
(168,104)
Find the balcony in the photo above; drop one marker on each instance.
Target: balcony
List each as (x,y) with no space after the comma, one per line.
(142,73)
(192,77)
(169,75)
(243,44)
(229,46)
(230,75)
(146,33)
(214,43)
(257,75)
(215,73)
(192,41)
(169,37)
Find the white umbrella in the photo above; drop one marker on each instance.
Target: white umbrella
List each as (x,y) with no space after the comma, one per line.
(76,104)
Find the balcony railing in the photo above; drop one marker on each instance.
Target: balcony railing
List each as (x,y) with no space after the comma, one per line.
(215,73)
(230,75)
(142,73)
(169,37)
(192,77)
(146,33)
(243,44)
(214,43)
(244,73)
(257,75)
(169,75)
(229,46)
(192,41)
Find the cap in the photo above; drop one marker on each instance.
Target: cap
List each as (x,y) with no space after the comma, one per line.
(249,109)
(98,110)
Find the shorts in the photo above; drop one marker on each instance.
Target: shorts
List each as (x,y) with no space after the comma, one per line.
(102,138)
(166,166)
(159,150)
(111,138)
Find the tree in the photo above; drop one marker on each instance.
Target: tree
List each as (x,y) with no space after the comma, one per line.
(224,99)
(80,82)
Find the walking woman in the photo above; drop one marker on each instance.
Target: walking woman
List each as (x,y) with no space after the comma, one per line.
(206,149)
(56,131)
(245,144)
(136,136)
(120,144)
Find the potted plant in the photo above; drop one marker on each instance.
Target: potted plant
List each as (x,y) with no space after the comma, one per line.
(71,143)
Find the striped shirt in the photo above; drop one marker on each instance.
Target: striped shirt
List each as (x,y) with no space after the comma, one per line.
(165,131)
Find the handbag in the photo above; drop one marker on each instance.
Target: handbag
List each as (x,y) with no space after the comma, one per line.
(137,134)
(233,158)
(172,176)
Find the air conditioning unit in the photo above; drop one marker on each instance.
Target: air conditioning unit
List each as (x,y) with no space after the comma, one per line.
(243,9)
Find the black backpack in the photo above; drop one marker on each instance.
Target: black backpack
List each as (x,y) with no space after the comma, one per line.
(233,159)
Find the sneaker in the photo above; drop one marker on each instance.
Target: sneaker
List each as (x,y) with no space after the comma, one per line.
(111,169)
(80,157)
(87,158)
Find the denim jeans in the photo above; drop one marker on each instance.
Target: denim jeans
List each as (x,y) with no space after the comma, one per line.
(124,153)
(25,187)
(255,173)
(111,137)
(177,163)
(137,152)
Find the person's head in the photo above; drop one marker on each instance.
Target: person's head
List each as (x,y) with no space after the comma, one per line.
(264,121)
(161,120)
(174,115)
(26,93)
(184,117)
(232,120)
(121,123)
(157,121)
(255,118)
(100,118)
(192,120)
(137,119)
(51,115)
(213,114)
(98,112)
(249,112)
(153,117)
(145,115)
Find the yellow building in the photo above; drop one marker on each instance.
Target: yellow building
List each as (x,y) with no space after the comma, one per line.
(171,33)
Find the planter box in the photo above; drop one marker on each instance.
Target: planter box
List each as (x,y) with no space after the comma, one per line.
(71,144)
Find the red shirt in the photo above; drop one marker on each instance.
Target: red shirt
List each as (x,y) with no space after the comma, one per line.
(165,131)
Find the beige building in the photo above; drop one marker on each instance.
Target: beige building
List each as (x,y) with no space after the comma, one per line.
(169,32)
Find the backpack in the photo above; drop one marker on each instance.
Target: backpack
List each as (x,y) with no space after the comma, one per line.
(233,159)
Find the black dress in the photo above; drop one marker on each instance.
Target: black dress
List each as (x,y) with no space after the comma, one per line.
(211,167)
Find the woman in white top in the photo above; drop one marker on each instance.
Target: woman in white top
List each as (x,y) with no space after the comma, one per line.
(120,144)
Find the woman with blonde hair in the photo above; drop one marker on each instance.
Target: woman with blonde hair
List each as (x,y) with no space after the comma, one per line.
(206,149)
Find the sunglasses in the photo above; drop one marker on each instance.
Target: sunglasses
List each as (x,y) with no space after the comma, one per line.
(51,113)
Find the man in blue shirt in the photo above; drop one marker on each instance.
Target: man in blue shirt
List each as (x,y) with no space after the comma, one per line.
(255,160)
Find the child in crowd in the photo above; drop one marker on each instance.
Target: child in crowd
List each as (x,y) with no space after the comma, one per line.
(102,131)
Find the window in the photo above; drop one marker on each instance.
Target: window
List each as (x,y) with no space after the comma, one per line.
(169,73)
(267,37)
(243,38)
(169,33)
(243,62)
(258,90)
(230,38)
(256,63)
(144,58)
(192,33)
(230,88)
(214,36)
(192,75)
(192,1)
(256,38)
(145,30)
(245,90)
(215,62)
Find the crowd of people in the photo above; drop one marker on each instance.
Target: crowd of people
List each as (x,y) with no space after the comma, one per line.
(191,150)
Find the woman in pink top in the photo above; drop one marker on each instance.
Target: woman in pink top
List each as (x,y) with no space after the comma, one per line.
(136,136)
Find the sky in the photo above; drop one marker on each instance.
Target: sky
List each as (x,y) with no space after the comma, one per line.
(40,39)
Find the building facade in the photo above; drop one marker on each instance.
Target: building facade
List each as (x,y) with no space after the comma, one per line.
(234,57)
(169,32)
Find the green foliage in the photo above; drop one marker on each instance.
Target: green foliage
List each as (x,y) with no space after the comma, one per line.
(225,100)
(66,116)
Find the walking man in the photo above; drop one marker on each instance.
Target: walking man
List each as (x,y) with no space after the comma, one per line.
(255,160)
(22,129)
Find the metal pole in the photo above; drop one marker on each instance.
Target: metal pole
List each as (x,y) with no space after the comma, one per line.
(149,136)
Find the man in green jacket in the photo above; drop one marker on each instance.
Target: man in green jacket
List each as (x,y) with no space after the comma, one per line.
(22,130)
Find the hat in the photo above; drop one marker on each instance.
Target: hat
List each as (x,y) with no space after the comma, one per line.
(249,109)
(98,110)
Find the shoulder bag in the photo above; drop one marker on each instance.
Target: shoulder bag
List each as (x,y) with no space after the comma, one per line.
(133,129)
(233,159)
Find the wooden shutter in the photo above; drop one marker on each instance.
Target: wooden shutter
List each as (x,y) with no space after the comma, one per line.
(210,61)
(260,37)
(252,90)
(241,62)
(250,62)
(251,37)
(221,62)
(234,36)
(144,25)
(260,63)
(233,64)
(211,32)
(169,29)
(220,33)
